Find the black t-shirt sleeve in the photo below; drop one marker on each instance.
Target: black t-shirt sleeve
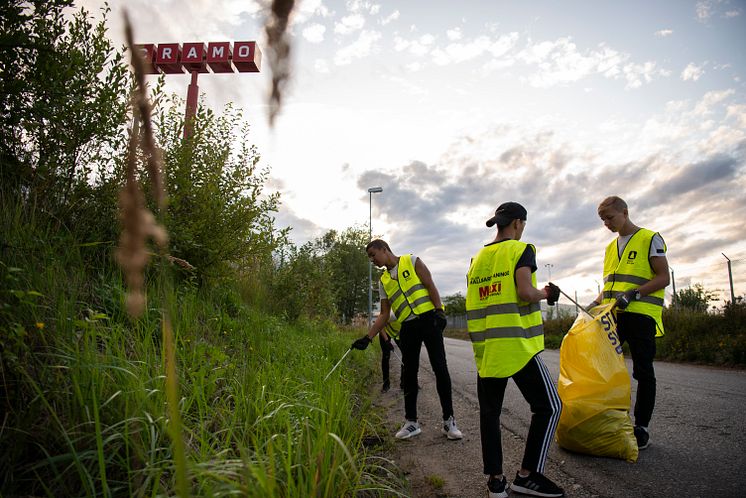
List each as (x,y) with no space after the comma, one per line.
(528,258)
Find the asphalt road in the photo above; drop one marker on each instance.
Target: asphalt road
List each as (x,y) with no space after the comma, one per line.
(698,432)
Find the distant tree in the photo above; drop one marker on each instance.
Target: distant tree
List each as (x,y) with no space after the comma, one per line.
(299,284)
(347,266)
(455,304)
(695,298)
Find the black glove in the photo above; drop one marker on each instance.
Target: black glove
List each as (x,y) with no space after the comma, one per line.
(440,319)
(592,305)
(553,293)
(387,345)
(361,343)
(624,298)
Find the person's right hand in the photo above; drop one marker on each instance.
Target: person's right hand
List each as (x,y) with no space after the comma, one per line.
(361,343)
(388,344)
(553,293)
(440,319)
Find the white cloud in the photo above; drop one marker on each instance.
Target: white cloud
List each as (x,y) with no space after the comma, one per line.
(392,17)
(704,10)
(737,112)
(637,74)
(362,47)
(321,66)
(417,47)
(361,5)
(663,33)
(348,24)
(414,67)
(314,33)
(454,34)
(471,49)
(692,72)
(306,10)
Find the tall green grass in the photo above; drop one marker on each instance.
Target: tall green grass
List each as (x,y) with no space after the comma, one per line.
(84,398)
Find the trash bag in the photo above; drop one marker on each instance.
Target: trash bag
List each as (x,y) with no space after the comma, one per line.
(595,388)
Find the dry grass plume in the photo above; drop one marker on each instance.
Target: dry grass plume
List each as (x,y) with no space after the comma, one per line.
(138,222)
(278,53)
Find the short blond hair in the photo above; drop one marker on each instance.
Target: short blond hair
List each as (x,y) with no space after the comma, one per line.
(617,203)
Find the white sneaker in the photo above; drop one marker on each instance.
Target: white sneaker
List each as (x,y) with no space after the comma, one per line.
(409,429)
(450,429)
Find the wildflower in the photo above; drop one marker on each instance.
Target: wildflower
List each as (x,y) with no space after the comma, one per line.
(39,325)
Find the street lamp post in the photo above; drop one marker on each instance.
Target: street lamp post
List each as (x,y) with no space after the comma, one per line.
(549,266)
(371,191)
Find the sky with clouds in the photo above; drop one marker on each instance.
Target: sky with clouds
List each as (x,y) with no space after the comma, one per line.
(455,107)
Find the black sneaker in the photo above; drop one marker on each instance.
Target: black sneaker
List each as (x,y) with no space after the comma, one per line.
(498,488)
(643,437)
(386,387)
(536,484)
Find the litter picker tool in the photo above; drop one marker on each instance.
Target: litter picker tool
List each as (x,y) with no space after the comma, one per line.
(335,366)
(576,304)
(397,356)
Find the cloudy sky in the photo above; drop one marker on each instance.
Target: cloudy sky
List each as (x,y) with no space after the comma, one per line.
(455,107)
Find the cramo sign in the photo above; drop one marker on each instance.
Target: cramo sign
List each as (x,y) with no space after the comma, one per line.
(219,57)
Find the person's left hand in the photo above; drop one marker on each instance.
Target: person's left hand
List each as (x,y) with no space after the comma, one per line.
(440,319)
(624,298)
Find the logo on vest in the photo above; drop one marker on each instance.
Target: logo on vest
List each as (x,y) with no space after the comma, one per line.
(631,257)
(405,274)
(490,290)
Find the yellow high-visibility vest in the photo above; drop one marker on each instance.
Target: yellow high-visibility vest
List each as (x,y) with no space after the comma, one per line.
(505,332)
(392,329)
(406,293)
(630,272)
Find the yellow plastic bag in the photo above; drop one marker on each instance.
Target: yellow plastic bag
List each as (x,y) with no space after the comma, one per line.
(594,387)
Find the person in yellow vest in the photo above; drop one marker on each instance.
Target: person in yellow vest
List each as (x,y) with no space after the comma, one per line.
(635,276)
(407,289)
(506,331)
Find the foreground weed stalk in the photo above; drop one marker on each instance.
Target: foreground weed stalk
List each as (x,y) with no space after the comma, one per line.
(138,224)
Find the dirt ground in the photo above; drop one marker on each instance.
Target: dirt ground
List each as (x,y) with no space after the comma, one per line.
(436,466)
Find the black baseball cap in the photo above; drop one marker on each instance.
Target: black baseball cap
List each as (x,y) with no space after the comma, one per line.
(507,212)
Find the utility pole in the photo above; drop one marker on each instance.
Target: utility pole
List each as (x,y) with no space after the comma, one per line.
(730,279)
(549,266)
(371,191)
(673,282)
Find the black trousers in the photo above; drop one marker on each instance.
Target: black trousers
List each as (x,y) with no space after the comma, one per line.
(415,333)
(537,387)
(639,332)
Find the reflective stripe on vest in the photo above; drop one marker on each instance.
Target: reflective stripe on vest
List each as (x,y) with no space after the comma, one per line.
(392,329)
(505,331)
(406,293)
(630,272)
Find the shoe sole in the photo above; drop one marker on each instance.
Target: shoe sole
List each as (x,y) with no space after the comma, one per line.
(503,494)
(644,446)
(452,438)
(407,436)
(526,491)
